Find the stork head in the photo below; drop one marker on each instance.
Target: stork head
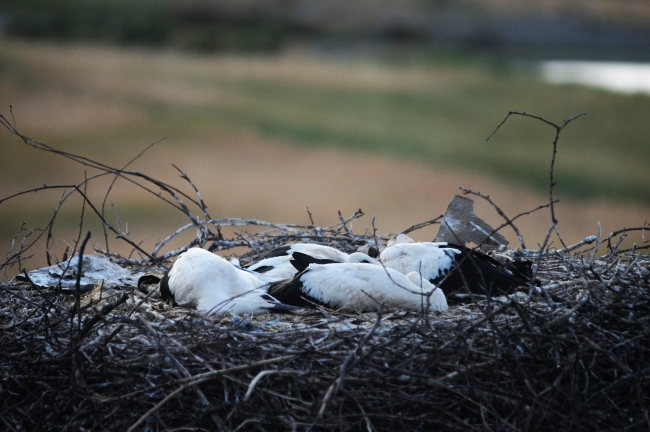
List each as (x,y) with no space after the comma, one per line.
(361,258)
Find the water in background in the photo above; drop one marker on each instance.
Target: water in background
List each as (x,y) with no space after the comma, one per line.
(614,76)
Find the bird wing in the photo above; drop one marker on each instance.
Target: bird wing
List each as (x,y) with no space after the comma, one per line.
(360,286)
(431,260)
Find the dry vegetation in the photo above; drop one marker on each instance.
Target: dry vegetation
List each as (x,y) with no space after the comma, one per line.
(568,355)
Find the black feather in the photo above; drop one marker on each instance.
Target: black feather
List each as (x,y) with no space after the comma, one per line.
(263,269)
(276,252)
(521,267)
(481,273)
(301,261)
(277,305)
(165,292)
(290,292)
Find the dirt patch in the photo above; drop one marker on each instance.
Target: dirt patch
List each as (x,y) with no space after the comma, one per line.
(255,178)
(42,113)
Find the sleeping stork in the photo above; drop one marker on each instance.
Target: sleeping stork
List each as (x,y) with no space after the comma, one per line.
(453,267)
(276,264)
(359,286)
(202,280)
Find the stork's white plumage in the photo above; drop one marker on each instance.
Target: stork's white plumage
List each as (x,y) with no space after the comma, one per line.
(359,286)
(431,260)
(453,267)
(399,238)
(276,265)
(205,281)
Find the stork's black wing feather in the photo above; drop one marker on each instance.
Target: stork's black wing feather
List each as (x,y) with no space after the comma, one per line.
(290,292)
(276,252)
(481,273)
(301,261)
(165,292)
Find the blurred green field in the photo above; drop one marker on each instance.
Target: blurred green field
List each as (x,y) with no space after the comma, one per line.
(433,109)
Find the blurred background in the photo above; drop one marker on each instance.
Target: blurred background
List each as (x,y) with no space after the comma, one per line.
(273,107)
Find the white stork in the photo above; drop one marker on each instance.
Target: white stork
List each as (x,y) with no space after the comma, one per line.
(202,280)
(276,264)
(358,286)
(453,267)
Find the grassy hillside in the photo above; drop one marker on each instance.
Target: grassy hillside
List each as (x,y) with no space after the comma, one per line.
(437,111)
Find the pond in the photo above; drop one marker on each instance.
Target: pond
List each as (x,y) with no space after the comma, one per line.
(614,76)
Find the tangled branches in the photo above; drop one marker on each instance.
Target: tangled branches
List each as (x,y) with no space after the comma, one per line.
(571,360)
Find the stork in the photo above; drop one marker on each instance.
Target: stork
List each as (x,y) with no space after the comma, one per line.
(204,281)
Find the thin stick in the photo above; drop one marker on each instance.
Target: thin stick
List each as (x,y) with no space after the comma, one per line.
(423,224)
(558,130)
(77,286)
(110,187)
(500,212)
(198,379)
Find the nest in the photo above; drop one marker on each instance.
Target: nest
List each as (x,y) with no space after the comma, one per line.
(571,355)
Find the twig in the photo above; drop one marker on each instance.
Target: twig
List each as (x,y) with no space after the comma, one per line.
(110,187)
(258,378)
(583,299)
(198,379)
(100,314)
(501,213)
(423,224)
(558,130)
(354,355)
(77,285)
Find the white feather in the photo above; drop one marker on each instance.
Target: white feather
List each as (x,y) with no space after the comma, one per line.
(431,260)
(365,287)
(205,281)
(400,238)
(283,269)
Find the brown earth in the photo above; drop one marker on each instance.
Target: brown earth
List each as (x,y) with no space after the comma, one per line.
(254,178)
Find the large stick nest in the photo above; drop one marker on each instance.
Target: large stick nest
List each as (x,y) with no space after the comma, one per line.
(574,357)
(570,354)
